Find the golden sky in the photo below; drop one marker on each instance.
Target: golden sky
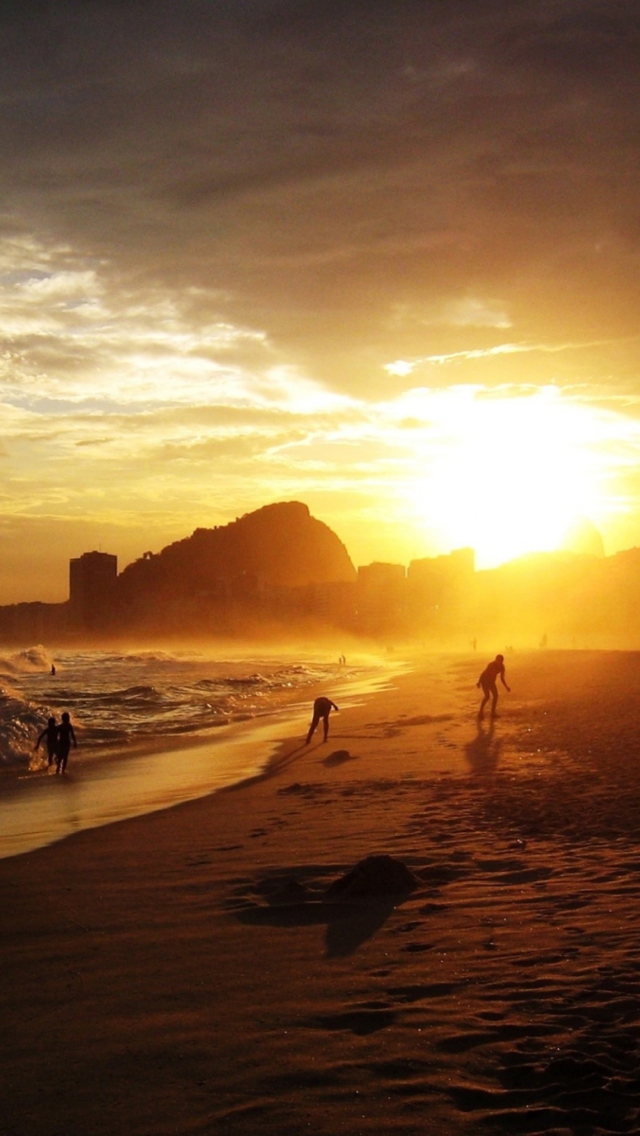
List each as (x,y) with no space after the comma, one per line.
(380,258)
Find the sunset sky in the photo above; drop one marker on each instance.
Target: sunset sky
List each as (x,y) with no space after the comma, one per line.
(379,257)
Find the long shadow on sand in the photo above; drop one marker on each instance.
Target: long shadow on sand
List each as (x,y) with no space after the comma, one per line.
(349,925)
(483,753)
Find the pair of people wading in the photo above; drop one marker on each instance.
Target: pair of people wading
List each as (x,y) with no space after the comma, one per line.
(59,737)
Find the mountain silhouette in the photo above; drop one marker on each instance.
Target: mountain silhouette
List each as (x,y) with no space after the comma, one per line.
(277,545)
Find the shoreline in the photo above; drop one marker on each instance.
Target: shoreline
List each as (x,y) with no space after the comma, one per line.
(39,810)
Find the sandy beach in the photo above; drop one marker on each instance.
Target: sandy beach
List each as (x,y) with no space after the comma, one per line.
(217,967)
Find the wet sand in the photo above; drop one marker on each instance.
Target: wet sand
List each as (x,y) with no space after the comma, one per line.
(194,970)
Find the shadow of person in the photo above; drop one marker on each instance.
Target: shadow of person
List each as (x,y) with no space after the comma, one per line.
(483,753)
(276,765)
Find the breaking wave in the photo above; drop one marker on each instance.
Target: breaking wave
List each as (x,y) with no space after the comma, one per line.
(120,701)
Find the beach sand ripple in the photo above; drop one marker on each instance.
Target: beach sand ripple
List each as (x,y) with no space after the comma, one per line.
(222,967)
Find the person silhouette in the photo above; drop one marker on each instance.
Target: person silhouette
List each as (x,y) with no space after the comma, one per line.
(487,681)
(322,708)
(66,736)
(50,732)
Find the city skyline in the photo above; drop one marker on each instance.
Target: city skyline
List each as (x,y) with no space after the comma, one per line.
(241,582)
(583,540)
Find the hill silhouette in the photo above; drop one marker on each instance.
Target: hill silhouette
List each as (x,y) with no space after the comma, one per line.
(277,545)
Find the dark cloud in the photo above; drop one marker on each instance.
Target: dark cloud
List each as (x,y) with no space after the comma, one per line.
(316,164)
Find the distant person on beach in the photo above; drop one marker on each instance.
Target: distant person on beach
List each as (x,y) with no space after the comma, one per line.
(50,732)
(487,681)
(65,737)
(322,708)
(53,669)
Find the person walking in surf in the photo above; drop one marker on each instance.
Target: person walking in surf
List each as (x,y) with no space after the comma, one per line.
(50,732)
(66,736)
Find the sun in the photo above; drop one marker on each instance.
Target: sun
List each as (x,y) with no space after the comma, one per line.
(507,475)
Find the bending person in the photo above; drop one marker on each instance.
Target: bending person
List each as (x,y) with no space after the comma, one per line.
(488,680)
(322,708)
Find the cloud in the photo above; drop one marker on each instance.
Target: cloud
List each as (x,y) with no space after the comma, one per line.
(237,148)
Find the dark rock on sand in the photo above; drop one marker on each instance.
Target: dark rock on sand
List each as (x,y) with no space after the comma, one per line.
(338,757)
(371,877)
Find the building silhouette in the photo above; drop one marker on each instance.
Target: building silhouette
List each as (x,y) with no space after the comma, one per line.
(440,591)
(92,591)
(380,597)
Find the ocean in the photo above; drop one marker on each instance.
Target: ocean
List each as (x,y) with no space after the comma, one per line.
(154,727)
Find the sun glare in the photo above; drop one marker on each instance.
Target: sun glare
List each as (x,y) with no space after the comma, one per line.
(508,475)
